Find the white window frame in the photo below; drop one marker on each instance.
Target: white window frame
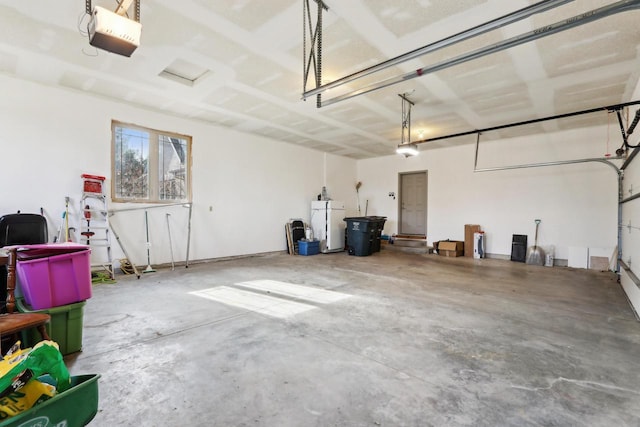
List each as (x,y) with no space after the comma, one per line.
(153,168)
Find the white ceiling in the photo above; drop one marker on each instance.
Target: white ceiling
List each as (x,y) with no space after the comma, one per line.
(246,56)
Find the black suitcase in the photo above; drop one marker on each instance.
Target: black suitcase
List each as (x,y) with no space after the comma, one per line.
(23,229)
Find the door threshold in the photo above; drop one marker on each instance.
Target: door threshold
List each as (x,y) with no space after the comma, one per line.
(411,236)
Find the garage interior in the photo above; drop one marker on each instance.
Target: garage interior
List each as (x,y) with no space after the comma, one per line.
(519,114)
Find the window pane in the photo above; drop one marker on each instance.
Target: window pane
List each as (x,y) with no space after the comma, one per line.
(132,163)
(172,168)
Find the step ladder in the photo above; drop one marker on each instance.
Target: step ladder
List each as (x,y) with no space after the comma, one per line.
(94,223)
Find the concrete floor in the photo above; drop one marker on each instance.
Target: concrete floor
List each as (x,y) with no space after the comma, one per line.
(403,340)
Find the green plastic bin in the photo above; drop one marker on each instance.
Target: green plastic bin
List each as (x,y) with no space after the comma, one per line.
(65,326)
(74,407)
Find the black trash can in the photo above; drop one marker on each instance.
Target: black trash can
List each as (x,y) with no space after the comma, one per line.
(378,222)
(360,233)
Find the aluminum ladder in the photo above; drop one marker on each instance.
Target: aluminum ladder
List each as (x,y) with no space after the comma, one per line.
(94,223)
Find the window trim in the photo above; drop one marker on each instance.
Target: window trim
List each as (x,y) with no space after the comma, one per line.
(154,193)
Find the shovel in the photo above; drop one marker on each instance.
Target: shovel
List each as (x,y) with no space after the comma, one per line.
(535,254)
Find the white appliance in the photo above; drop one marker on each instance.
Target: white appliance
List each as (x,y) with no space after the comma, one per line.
(478,245)
(327,222)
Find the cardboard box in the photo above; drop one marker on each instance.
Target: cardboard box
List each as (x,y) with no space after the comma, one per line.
(469,229)
(451,248)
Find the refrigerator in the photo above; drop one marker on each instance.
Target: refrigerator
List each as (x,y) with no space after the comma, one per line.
(327,223)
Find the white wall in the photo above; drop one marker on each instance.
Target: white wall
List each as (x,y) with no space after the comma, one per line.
(341,182)
(253,185)
(576,203)
(245,187)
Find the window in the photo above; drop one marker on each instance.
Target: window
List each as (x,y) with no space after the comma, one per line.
(149,165)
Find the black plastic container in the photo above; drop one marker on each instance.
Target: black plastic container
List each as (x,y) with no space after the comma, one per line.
(519,248)
(364,234)
(378,226)
(360,233)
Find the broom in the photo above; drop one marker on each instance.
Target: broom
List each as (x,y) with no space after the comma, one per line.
(358,185)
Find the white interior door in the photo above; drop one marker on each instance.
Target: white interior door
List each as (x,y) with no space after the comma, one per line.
(413,203)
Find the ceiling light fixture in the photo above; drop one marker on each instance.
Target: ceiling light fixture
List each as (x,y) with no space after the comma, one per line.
(406,148)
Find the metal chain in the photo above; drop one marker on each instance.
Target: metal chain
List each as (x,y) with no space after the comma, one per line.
(87,5)
(406,119)
(403,122)
(304,45)
(319,53)
(315,54)
(137,17)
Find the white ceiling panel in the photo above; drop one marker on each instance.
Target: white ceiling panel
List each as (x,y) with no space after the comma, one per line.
(245,58)
(403,17)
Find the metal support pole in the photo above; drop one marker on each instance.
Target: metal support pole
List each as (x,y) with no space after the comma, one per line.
(530,122)
(475,162)
(115,211)
(630,158)
(606,161)
(630,198)
(188,236)
(173,265)
(186,204)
